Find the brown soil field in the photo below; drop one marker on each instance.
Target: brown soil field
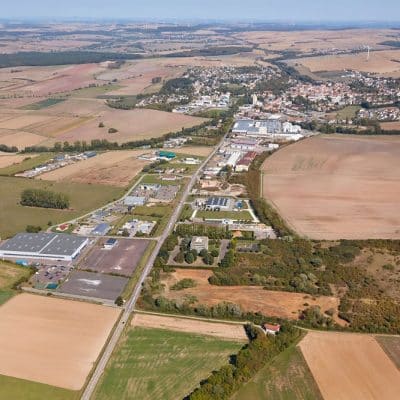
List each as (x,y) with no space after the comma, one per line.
(391,125)
(77,107)
(56,125)
(381,62)
(217,329)
(70,78)
(24,120)
(250,298)
(131,125)
(52,341)
(116,168)
(200,151)
(10,159)
(337,187)
(350,367)
(309,41)
(21,139)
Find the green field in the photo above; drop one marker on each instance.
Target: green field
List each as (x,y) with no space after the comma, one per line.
(94,91)
(42,104)
(9,275)
(20,389)
(31,161)
(286,378)
(349,112)
(159,364)
(236,215)
(84,198)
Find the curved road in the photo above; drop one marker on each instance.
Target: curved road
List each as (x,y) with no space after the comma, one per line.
(130,304)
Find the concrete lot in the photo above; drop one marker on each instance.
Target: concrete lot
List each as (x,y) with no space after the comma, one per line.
(122,259)
(94,285)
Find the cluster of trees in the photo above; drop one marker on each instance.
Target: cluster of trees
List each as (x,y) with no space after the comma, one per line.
(213,232)
(184,284)
(222,384)
(177,85)
(8,149)
(37,58)
(44,198)
(212,51)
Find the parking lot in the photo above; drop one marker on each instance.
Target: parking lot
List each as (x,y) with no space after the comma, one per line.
(90,284)
(122,259)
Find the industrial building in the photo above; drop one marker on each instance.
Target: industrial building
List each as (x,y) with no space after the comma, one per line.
(217,203)
(51,246)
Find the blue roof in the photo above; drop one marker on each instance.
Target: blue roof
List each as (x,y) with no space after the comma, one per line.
(217,201)
(101,229)
(111,241)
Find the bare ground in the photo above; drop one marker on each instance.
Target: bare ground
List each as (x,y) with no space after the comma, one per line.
(217,329)
(350,367)
(337,187)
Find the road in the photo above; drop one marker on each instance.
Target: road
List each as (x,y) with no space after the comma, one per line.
(130,304)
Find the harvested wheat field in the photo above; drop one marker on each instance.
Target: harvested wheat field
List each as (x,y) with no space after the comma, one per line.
(199,151)
(21,139)
(350,367)
(337,187)
(381,62)
(52,341)
(115,168)
(249,298)
(181,324)
(132,125)
(387,126)
(7,159)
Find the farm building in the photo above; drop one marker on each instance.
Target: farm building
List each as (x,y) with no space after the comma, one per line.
(272,329)
(50,246)
(169,155)
(199,243)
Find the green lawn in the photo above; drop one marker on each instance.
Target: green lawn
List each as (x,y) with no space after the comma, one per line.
(42,104)
(20,389)
(349,112)
(286,378)
(9,275)
(236,215)
(84,198)
(159,364)
(31,161)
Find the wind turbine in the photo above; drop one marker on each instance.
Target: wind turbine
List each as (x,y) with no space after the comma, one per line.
(368,51)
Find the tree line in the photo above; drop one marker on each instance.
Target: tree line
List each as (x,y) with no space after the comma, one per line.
(44,198)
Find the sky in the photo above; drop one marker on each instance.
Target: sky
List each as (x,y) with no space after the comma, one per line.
(261,10)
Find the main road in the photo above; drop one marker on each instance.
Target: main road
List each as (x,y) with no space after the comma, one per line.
(130,304)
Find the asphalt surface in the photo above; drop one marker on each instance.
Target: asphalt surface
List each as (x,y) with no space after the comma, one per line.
(130,304)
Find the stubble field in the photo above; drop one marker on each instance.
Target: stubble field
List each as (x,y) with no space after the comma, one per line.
(52,341)
(337,187)
(114,168)
(350,366)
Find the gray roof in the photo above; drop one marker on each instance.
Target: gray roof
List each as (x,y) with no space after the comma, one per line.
(43,243)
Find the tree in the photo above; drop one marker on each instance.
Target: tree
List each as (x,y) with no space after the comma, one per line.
(189,258)
(101,125)
(33,229)
(112,130)
(119,301)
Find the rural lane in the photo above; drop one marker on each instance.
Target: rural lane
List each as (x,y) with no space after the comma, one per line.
(130,304)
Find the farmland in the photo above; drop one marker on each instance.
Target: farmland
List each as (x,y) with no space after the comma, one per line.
(9,275)
(220,330)
(350,366)
(382,62)
(391,345)
(23,163)
(287,377)
(84,198)
(249,298)
(114,168)
(333,187)
(147,361)
(58,329)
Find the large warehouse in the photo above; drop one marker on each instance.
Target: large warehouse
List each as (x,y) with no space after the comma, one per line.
(49,246)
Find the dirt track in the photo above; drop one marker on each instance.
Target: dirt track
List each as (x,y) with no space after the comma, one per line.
(350,367)
(217,329)
(52,341)
(337,187)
